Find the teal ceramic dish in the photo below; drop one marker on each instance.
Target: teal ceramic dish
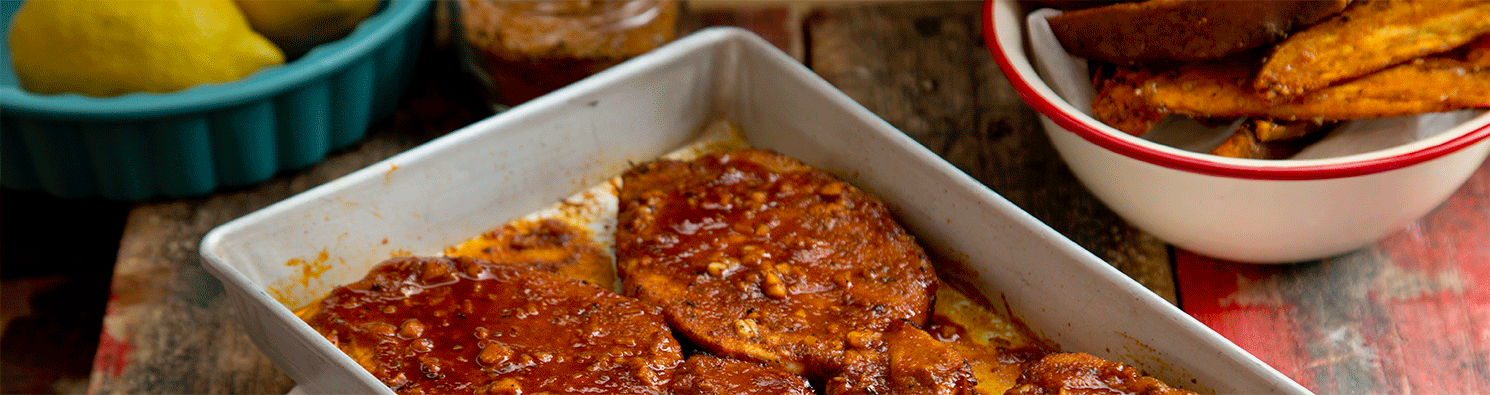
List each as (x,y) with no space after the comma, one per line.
(143,145)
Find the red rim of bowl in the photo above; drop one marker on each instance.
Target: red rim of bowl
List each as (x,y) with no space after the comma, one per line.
(1075,124)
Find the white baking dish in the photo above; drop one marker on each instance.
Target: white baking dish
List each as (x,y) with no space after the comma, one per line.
(522,160)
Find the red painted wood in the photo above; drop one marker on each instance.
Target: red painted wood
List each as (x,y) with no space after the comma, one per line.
(1234,297)
(1408,315)
(1438,298)
(113,353)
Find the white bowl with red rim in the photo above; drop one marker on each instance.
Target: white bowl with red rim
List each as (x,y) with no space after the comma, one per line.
(1245,210)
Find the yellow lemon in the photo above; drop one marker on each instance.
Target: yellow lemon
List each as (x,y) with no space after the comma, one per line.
(112,47)
(298,25)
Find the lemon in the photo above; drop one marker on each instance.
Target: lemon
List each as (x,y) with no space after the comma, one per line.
(297,25)
(113,47)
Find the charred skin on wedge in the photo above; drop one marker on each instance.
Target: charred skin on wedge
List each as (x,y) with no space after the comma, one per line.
(1183,30)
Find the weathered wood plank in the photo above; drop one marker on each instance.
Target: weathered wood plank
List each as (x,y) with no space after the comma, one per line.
(1406,315)
(924,68)
(778,24)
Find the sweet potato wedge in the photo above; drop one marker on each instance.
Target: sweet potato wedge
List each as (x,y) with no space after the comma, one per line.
(1433,84)
(1248,141)
(1184,30)
(1368,36)
(1117,104)
(1268,130)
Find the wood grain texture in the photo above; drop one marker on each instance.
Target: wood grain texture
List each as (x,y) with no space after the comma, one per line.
(778,24)
(1408,315)
(924,68)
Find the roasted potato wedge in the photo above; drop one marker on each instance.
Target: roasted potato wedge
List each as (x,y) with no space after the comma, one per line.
(1268,130)
(1118,104)
(1374,59)
(1184,30)
(1369,36)
(1268,139)
(1426,85)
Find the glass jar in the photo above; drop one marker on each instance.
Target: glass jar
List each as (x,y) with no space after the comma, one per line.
(520,50)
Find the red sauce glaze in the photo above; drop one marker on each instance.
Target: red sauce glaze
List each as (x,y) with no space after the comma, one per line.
(461,325)
(1070,373)
(759,257)
(901,360)
(703,374)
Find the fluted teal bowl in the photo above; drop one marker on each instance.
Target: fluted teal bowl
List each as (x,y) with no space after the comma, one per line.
(192,142)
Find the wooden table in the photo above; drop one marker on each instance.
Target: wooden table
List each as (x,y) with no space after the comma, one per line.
(1407,315)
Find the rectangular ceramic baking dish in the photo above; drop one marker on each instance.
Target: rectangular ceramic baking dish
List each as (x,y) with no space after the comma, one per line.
(525,159)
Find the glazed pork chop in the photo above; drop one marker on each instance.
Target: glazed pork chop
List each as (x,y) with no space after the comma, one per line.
(462,325)
(547,244)
(756,256)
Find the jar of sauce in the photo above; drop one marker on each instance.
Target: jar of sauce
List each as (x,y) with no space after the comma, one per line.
(523,49)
